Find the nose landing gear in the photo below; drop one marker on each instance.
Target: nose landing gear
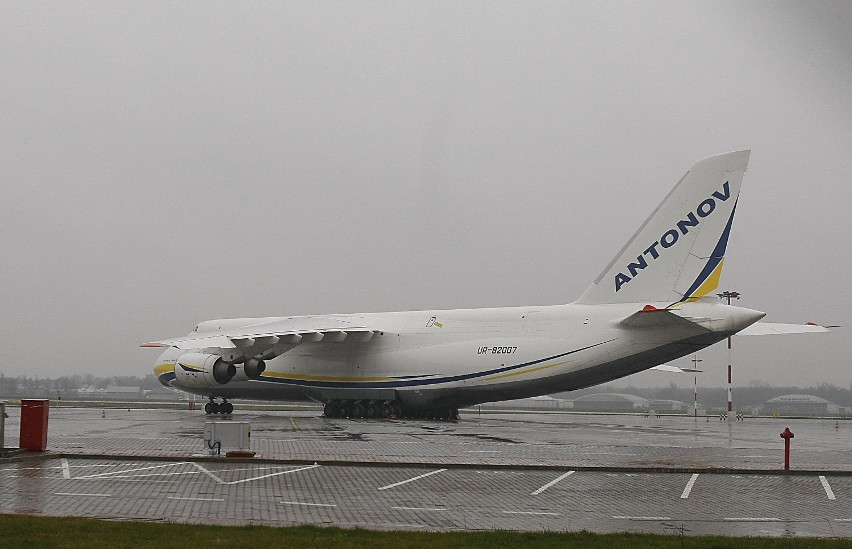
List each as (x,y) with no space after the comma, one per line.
(212,407)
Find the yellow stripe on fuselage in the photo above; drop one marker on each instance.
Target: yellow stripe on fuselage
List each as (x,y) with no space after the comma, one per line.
(522,372)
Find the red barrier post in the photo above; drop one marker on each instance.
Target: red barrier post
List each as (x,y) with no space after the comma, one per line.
(787,435)
(34,414)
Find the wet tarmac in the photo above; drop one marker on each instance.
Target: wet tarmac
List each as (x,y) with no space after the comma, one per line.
(512,471)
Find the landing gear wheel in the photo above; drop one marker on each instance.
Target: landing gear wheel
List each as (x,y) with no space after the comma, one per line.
(371,411)
(358,409)
(332,409)
(386,411)
(345,410)
(226,408)
(208,408)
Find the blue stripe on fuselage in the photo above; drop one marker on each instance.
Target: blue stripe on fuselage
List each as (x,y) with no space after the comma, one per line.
(420,382)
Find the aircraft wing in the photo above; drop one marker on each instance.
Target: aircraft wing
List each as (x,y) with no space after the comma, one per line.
(770,328)
(288,330)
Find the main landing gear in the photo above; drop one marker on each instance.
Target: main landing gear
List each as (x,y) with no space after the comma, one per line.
(384,409)
(225,408)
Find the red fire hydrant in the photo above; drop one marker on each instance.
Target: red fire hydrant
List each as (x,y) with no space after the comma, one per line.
(787,435)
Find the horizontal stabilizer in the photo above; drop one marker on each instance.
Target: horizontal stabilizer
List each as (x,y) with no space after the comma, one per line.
(651,317)
(770,328)
(675,369)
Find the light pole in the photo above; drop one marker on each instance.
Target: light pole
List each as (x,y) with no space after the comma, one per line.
(728,295)
(695,362)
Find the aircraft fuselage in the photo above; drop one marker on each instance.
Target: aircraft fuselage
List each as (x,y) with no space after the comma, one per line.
(461,357)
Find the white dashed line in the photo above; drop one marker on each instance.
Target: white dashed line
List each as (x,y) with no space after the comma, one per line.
(752,519)
(419,508)
(531,513)
(623,517)
(418,477)
(307,504)
(196,499)
(551,483)
(66,470)
(825,485)
(74,494)
(689,485)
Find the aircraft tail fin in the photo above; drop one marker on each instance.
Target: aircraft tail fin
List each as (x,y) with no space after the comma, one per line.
(678,252)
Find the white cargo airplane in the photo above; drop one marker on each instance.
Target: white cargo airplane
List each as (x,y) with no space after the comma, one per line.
(647,307)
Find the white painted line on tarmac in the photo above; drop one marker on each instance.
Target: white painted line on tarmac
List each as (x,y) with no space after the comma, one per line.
(419,508)
(220,481)
(551,483)
(843,520)
(125,471)
(208,473)
(66,470)
(825,485)
(624,517)
(531,513)
(418,477)
(196,499)
(74,494)
(752,519)
(275,474)
(689,486)
(307,504)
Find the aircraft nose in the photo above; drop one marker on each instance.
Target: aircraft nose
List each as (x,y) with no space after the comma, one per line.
(164,368)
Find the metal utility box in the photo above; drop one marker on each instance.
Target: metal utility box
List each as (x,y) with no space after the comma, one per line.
(221,436)
(34,424)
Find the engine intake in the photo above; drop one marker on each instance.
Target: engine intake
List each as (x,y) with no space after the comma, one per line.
(203,370)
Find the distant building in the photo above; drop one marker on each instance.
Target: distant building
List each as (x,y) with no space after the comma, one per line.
(802,405)
(532,403)
(669,406)
(610,402)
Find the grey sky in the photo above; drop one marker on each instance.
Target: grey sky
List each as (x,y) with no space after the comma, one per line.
(164,163)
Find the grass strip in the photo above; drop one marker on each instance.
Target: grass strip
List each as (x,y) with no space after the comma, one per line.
(68,532)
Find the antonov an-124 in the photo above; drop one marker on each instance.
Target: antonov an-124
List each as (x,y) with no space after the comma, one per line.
(653,303)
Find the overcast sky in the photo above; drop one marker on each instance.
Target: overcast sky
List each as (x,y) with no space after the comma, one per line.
(163,163)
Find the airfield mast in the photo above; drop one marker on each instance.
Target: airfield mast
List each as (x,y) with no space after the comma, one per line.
(728,295)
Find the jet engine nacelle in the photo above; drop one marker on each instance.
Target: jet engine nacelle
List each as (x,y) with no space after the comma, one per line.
(250,369)
(203,370)
(253,367)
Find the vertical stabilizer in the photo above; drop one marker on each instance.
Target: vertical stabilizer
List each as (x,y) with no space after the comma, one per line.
(678,252)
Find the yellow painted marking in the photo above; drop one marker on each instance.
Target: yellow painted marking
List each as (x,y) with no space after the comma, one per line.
(710,284)
(164,368)
(531,370)
(293,423)
(439,325)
